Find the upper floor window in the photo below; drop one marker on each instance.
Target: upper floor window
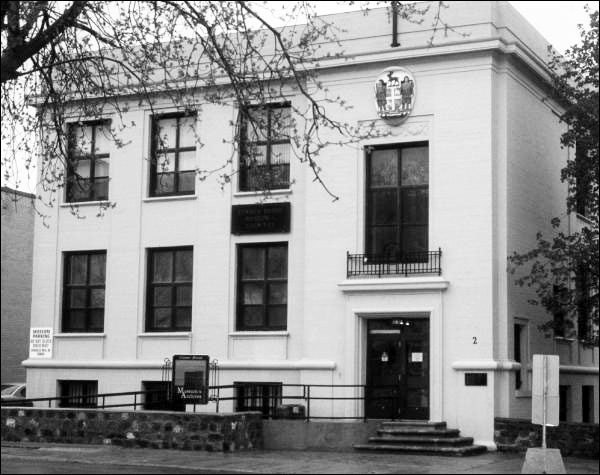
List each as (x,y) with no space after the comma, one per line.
(584,298)
(582,181)
(265,147)
(173,163)
(87,170)
(397,218)
(170,273)
(84,287)
(262,287)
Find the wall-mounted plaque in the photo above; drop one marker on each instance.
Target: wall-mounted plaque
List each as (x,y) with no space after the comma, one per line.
(475,379)
(394,93)
(260,218)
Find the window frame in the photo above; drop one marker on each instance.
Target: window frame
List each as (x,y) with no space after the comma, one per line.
(401,256)
(67,286)
(269,401)
(176,150)
(85,396)
(239,324)
(173,292)
(269,142)
(72,180)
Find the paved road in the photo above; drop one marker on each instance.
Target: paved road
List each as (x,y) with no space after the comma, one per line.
(57,458)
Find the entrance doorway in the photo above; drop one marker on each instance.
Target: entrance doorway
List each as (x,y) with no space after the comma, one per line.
(397,369)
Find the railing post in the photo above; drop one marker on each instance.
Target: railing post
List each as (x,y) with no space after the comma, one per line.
(135,402)
(439,261)
(308,404)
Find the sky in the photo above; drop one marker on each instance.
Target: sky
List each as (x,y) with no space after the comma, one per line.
(556,20)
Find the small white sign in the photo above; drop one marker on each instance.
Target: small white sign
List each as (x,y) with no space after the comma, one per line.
(40,342)
(416,357)
(544,391)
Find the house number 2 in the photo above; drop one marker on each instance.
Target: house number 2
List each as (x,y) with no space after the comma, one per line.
(475,340)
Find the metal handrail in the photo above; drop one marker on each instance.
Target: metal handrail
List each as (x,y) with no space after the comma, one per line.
(306,395)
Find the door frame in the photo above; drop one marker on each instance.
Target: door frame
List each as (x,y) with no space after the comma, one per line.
(435,352)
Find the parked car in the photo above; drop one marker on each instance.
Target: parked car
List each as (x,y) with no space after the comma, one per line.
(13,393)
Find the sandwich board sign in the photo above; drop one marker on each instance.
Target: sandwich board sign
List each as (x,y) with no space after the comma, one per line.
(190,378)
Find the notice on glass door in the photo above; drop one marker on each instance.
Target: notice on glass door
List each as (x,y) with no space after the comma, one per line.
(416,357)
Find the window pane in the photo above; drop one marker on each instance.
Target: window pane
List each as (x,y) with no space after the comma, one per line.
(184,295)
(166,130)
(79,189)
(183,318)
(385,241)
(163,265)
(384,168)
(162,297)
(82,168)
(414,239)
(281,118)
(76,320)
(78,269)
(277,264)
(253,263)
(165,183)
(255,155)
(187,182)
(415,166)
(256,124)
(280,153)
(165,162)
(252,316)
(187,135)
(97,298)
(97,268)
(187,160)
(162,318)
(415,206)
(384,207)
(78,298)
(278,293)
(101,169)
(100,188)
(184,263)
(81,137)
(277,317)
(96,320)
(253,294)
(103,139)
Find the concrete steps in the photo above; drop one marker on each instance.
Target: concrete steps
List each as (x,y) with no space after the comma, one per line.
(420,437)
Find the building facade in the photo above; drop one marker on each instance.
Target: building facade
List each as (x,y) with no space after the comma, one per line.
(401,284)
(17,262)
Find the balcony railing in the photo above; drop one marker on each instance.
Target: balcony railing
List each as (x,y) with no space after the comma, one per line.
(409,263)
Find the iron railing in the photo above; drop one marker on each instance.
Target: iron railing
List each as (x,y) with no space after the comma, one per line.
(309,395)
(409,263)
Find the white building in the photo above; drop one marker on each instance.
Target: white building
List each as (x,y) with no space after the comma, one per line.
(473,169)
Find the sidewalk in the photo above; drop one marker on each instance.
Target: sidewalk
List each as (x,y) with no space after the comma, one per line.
(275,461)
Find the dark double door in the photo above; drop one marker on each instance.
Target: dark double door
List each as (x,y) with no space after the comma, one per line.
(397,369)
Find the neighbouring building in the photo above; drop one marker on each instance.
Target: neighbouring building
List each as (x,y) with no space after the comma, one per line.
(402,282)
(17,261)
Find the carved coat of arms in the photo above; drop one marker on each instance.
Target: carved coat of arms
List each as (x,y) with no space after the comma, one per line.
(394,93)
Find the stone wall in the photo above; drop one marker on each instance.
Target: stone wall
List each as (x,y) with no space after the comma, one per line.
(571,438)
(177,430)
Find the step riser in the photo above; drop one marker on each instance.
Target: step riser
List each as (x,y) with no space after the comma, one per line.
(455,451)
(413,424)
(429,433)
(450,442)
